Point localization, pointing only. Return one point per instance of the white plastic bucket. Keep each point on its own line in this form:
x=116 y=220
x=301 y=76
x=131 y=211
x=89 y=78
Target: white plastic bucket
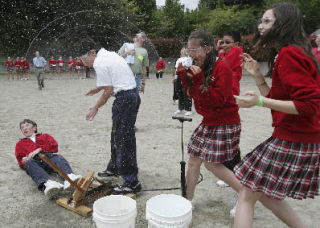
x=168 y=211
x=114 y=211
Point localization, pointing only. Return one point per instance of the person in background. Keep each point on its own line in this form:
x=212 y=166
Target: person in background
x=71 y=65
x=316 y=50
x=52 y=66
x=26 y=69
x=17 y=65
x=287 y=163
x=60 y=65
x=9 y=65
x=185 y=102
x=160 y=66
x=231 y=52
x=26 y=152
x=39 y=63
x=79 y=67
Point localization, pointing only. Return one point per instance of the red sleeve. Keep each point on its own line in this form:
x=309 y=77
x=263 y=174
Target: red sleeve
x=234 y=60
x=19 y=151
x=299 y=76
x=6 y=64
x=221 y=86
x=47 y=143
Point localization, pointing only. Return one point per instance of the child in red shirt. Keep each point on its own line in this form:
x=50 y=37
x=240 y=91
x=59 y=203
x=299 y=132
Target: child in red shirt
x=9 y=65
x=26 y=69
x=71 y=65
x=217 y=138
x=287 y=163
x=27 y=150
x=79 y=67
x=60 y=65
x=52 y=66
x=160 y=66
x=17 y=65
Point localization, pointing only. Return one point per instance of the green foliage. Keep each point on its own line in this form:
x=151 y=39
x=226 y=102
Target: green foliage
x=230 y=18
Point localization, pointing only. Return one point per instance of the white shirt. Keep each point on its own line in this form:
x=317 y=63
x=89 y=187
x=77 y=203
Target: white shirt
x=129 y=58
x=113 y=70
x=33 y=138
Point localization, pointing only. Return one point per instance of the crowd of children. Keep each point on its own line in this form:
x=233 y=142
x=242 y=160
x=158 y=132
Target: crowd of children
x=20 y=67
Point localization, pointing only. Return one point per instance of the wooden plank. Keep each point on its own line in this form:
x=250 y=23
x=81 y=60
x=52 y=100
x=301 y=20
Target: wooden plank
x=78 y=195
x=81 y=210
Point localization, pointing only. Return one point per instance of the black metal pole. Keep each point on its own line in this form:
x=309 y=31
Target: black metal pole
x=183 y=167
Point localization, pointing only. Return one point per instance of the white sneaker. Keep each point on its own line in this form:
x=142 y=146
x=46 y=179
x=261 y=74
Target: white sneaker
x=188 y=113
x=73 y=177
x=52 y=188
x=234 y=209
x=178 y=112
x=222 y=184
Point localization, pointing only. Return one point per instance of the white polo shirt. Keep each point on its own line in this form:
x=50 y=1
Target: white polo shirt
x=113 y=70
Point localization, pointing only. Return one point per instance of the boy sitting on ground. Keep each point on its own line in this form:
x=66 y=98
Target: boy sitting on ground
x=27 y=150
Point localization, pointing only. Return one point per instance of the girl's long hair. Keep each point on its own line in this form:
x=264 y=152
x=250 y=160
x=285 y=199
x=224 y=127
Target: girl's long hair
x=205 y=40
x=286 y=30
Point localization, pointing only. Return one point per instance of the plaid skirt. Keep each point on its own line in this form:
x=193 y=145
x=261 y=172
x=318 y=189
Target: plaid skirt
x=9 y=69
x=215 y=144
x=280 y=168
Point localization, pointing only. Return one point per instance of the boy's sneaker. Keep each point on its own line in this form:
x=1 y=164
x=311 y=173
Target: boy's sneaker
x=125 y=189
x=107 y=173
x=222 y=184
x=178 y=112
x=52 y=188
x=188 y=113
x=73 y=177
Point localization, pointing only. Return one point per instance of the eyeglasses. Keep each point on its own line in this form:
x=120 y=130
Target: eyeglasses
x=226 y=42
x=265 y=20
x=27 y=125
x=193 y=49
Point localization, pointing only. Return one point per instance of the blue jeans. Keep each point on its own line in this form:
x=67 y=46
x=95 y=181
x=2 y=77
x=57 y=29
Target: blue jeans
x=123 y=140
x=38 y=169
x=138 y=82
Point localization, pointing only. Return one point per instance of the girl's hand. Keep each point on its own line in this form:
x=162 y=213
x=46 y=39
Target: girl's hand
x=249 y=64
x=180 y=67
x=249 y=99
x=195 y=70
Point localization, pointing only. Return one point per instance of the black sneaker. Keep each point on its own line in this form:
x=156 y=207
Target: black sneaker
x=107 y=173
x=125 y=189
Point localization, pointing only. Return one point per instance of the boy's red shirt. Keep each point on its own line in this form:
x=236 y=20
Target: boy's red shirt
x=52 y=62
x=25 y=146
x=232 y=57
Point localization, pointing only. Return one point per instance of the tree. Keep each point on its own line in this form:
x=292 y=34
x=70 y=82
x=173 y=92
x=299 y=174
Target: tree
x=61 y=28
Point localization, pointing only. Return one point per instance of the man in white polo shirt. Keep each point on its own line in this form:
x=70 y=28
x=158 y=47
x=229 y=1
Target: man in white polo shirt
x=114 y=77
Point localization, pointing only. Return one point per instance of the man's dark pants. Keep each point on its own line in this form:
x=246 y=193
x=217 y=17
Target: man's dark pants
x=123 y=140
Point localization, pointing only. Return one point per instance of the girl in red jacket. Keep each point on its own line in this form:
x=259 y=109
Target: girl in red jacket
x=9 y=65
x=160 y=66
x=216 y=139
x=287 y=163
x=17 y=65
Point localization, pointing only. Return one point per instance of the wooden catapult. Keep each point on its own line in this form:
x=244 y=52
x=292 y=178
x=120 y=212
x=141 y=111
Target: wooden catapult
x=86 y=190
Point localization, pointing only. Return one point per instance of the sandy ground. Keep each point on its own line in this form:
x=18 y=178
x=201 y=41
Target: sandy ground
x=60 y=110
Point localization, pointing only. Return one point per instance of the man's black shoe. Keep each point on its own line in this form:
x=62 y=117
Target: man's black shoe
x=126 y=188
x=107 y=173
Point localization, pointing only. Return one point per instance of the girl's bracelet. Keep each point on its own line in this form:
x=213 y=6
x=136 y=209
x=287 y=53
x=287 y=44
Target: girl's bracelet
x=260 y=102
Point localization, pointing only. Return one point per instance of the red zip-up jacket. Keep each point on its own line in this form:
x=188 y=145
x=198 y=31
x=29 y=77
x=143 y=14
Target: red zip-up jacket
x=25 y=146
x=295 y=78
x=232 y=57
x=217 y=105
